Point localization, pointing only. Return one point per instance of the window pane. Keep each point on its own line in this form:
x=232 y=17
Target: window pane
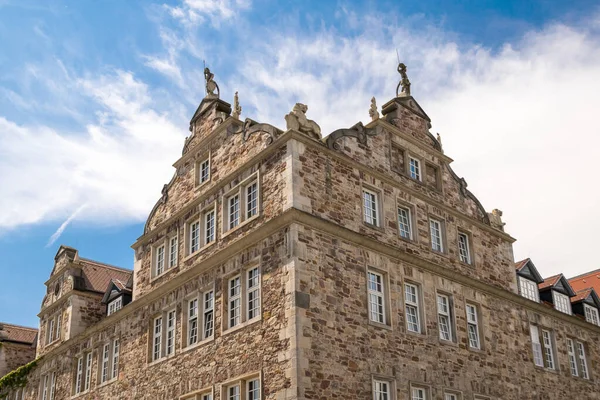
x=234 y=211
x=251 y=199
x=370 y=208
x=436 y=235
x=404 y=223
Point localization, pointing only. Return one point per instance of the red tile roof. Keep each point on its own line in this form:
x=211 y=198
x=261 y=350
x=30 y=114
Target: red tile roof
x=97 y=276
x=551 y=281
x=521 y=264
x=589 y=280
x=581 y=295
x=16 y=333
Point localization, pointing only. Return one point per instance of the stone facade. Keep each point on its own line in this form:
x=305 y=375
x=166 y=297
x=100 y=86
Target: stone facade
x=17 y=346
x=274 y=224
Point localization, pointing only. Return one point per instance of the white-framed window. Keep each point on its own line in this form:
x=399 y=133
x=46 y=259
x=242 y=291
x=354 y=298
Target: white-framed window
x=473 y=326
x=88 y=371
x=243 y=297
x=444 y=317
x=173 y=251
x=582 y=360
x=414 y=168
x=52 y=387
x=47 y=388
x=53 y=328
x=572 y=357
x=418 y=393
x=200 y=318
x=210 y=219
x=376 y=292
x=160 y=260
x=244 y=389
x=464 y=251
x=194 y=229
x=170 y=334
x=529 y=289
x=536 y=346
x=109 y=363
x=83 y=373
x=105 y=363
x=201 y=230
x=591 y=314
x=78 y=378
x=404 y=222
x=437 y=239
x=115 y=359
x=163 y=333
x=157 y=338
x=382 y=390
x=242 y=203
x=370 y=207
x=561 y=302
x=411 y=299
x=548 y=349
x=204 y=171
x=115 y=305
x=450 y=396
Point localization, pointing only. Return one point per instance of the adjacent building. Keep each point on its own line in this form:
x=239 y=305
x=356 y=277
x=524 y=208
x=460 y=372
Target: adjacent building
x=278 y=264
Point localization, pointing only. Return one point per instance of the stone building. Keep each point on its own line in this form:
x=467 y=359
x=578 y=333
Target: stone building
x=17 y=346
x=282 y=265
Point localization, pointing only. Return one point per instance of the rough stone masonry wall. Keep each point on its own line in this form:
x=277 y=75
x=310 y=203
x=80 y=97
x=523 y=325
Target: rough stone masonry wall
x=13 y=355
x=331 y=188
x=343 y=351
x=262 y=347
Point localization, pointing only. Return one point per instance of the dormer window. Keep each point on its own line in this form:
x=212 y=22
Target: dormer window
x=529 y=289
x=115 y=305
x=591 y=315
x=561 y=302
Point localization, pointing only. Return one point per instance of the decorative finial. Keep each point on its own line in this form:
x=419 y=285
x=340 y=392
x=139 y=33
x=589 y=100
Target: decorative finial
x=373 y=113
x=404 y=82
x=439 y=139
x=237 y=109
x=211 y=85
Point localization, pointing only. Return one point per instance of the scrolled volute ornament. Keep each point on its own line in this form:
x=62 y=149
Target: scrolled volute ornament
x=358 y=131
x=250 y=127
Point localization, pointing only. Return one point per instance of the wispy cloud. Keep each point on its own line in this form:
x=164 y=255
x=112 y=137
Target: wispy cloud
x=194 y=12
x=63 y=226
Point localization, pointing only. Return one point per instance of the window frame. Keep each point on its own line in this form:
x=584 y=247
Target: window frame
x=411 y=226
x=561 y=300
x=584 y=365
x=448 y=314
x=240 y=190
x=424 y=388
x=468 y=258
x=204 y=158
x=389 y=381
x=110 y=360
x=201 y=219
x=475 y=324
x=199 y=394
x=593 y=311
x=376 y=200
x=114 y=305
x=442 y=235
x=82 y=373
x=417 y=305
x=532 y=285
x=383 y=295
x=165 y=243
x=243 y=297
x=243 y=384
x=201 y=320
x=418 y=175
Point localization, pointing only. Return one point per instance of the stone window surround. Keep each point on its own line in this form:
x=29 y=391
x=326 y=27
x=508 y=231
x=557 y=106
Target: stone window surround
x=412 y=156
x=419 y=385
x=389 y=323
x=241 y=380
x=438 y=176
x=451 y=318
x=199 y=216
x=199 y=159
x=414 y=232
x=389 y=379
x=379 y=201
x=480 y=325
x=239 y=188
x=242 y=273
x=443 y=233
x=196 y=294
x=99 y=365
x=457 y=393
x=423 y=165
x=47 y=384
x=421 y=303
x=540 y=329
x=83 y=354
x=164 y=314
x=165 y=241
x=56 y=320
x=197 y=394
x=471 y=253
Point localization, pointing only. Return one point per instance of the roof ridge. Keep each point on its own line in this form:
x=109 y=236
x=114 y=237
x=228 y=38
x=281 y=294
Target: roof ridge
x=18 y=326
x=102 y=264
x=595 y=271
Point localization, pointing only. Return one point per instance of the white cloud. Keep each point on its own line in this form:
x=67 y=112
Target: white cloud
x=194 y=12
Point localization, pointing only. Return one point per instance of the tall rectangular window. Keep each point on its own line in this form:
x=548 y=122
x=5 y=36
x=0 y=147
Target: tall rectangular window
x=253 y=293
x=235 y=293
x=51 y=331
x=548 y=349
x=78 y=378
x=375 y=286
x=381 y=390
x=204 y=175
x=253 y=389
x=404 y=223
x=209 y=314
x=246 y=389
x=157 y=339
x=173 y=251
x=561 y=302
x=88 y=371
x=105 y=359
x=435 y=228
x=444 y=317
x=233 y=215
x=473 y=326
x=160 y=259
x=572 y=357
x=536 y=346
x=194 y=236
x=115 y=359
x=192 y=322
x=251 y=199
x=464 y=251
x=45 y=387
x=411 y=298
x=52 y=387
x=233 y=392
x=414 y=168
x=200 y=318
x=591 y=314
x=370 y=207
x=582 y=361
x=529 y=289
x=170 y=343
x=209 y=226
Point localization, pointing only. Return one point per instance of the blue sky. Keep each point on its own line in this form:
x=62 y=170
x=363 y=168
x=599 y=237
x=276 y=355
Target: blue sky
x=95 y=99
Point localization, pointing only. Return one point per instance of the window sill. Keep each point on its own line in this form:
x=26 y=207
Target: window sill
x=199 y=185
x=78 y=395
x=160 y=360
x=447 y=342
x=167 y=272
x=199 y=344
x=375 y=227
x=421 y=334
x=108 y=382
x=241 y=326
x=199 y=251
x=245 y=222
x=380 y=325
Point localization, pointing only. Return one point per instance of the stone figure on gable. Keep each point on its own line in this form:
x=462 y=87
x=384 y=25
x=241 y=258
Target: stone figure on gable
x=211 y=85
x=297 y=120
x=404 y=82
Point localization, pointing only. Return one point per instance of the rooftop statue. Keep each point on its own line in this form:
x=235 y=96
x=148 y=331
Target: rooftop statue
x=404 y=82
x=297 y=120
x=373 y=113
x=211 y=85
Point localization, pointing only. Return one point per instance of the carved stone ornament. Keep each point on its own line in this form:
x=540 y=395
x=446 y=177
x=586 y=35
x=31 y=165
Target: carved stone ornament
x=249 y=127
x=211 y=85
x=165 y=193
x=297 y=121
x=439 y=139
x=373 y=113
x=496 y=219
x=237 y=109
x=358 y=131
x=404 y=82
